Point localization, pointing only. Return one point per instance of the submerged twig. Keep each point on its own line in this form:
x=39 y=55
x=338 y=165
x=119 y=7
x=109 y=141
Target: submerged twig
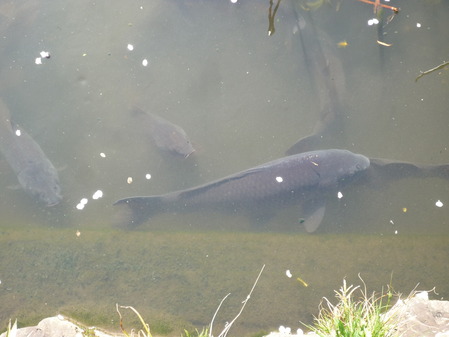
x=271 y=15
x=438 y=67
x=145 y=325
x=377 y=4
x=229 y=325
x=215 y=314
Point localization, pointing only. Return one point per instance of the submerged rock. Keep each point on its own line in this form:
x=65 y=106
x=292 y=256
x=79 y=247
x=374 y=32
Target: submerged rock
x=420 y=317
x=57 y=326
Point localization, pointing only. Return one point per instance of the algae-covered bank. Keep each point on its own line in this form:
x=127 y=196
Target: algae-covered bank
x=177 y=279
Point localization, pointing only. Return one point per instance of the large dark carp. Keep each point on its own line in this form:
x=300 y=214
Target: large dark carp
x=305 y=179
x=36 y=174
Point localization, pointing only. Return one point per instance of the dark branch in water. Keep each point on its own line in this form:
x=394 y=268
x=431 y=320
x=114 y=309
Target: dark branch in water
x=376 y=4
x=438 y=67
x=271 y=15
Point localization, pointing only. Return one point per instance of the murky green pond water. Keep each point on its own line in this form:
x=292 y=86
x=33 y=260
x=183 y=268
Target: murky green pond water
x=178 y=279
x=244 y=98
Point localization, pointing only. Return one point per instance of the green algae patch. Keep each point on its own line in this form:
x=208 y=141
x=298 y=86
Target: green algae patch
x=177 y=279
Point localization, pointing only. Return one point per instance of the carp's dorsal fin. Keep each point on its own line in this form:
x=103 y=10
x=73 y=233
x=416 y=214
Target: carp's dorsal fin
x=313 y=211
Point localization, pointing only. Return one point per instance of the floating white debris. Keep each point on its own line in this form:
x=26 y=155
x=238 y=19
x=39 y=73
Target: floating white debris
x=148 y=176
x=234 y=1
x=339 y=195
x=418 y=25
x=81 y=204
x=285 y=330
x=279 y=179
x=129 y=180
x=396 y=232
x=144 y=62
x=97 y=195
x=78 y=233
x=18 y=133
x=102 y=155
x=44 y=54
x=373 y=21
x=288 y=273
x=391 y=221
x=130 y=47
x=439 y=203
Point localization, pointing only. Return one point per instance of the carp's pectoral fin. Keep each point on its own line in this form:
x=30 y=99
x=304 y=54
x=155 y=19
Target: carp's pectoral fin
x=313 y=212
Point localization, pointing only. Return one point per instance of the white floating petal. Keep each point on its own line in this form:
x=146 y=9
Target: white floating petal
x=44 y=54
x=97 y=195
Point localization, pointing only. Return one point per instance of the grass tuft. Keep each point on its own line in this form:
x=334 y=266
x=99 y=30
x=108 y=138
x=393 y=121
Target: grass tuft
x=203 y=333
x=11 y=331
x=362 y=316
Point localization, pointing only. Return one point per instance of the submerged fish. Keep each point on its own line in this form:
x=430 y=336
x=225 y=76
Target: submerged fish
x=384 y=171
x=305 y=179
x=166 y=135
x=36 y=174
x=326 y=73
